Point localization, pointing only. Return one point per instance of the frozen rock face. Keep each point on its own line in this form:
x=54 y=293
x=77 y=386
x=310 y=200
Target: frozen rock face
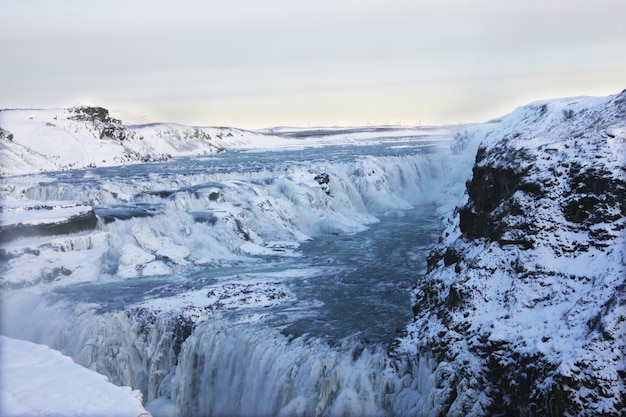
x=524 y=306
x=106 y=126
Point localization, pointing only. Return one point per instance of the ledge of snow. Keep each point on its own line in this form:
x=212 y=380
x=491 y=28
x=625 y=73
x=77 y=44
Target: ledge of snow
x=29 y=369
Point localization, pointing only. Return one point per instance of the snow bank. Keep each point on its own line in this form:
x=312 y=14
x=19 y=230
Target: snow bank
x=29 y=370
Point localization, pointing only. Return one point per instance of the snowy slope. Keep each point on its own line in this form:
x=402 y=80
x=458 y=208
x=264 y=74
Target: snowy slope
x=60 y=139
x=39 y=140
x=29 y=369
x=523 y=310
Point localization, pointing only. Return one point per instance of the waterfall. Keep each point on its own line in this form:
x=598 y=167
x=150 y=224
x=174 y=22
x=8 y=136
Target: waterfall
x=194 y=218
x=221 y=368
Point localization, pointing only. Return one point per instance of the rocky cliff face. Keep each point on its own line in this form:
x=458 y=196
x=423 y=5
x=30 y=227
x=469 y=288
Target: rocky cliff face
x=523 y=310
x=106 y=126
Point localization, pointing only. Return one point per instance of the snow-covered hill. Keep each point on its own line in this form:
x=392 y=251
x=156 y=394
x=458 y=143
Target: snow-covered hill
x=523 y=310
x=60 y=139
x=38 y=140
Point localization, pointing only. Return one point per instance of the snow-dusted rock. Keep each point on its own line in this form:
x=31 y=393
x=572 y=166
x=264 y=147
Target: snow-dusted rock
x=25 y=218
x=523 y=310
x=29 y=369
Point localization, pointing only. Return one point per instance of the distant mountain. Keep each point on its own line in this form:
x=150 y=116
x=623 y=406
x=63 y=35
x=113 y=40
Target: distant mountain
x=523 y=309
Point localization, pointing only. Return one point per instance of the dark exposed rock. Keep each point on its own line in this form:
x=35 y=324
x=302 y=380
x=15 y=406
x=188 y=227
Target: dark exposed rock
x=5 y=134
x=323 y=179
x=85 y=220
x=491 y=194
x=92 y=114
x=183 y=329
x=594 y=197
x=106 y=126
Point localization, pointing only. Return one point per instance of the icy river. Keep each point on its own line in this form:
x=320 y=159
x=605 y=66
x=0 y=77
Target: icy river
x=254 y=283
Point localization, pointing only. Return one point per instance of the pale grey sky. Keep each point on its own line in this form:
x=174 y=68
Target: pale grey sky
x=260 y=63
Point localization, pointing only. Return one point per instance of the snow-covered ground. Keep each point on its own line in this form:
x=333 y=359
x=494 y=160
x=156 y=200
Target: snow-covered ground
x=40 y=140
x=39 y=381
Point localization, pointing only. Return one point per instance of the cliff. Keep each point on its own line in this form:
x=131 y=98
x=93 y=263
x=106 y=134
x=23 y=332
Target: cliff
x=523 y=308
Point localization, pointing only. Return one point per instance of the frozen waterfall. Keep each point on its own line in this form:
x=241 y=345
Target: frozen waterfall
x=244 y=283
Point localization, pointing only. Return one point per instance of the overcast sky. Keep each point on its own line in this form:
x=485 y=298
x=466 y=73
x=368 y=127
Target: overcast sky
x=260 y=63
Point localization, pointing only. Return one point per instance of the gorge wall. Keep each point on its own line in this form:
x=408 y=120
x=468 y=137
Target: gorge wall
x=523 y=309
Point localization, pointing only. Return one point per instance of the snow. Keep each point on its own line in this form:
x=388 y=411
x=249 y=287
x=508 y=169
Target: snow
x=54 y=139
x=29 y=370
x=537 y=301
x=231 y=293
x=61 y=139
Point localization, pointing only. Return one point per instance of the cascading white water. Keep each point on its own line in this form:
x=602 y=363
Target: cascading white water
x=195 y=217
x=226 y=370
x=132 y=348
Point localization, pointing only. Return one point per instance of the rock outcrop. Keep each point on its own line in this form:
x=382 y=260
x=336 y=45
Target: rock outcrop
x=323 y=179
x=5 y=135
x=106 y=126
x=523 y=308
x=45 y=220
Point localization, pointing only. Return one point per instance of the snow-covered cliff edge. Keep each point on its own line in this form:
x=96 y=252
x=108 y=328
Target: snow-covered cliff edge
x=523 y=310
x=39 y=381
